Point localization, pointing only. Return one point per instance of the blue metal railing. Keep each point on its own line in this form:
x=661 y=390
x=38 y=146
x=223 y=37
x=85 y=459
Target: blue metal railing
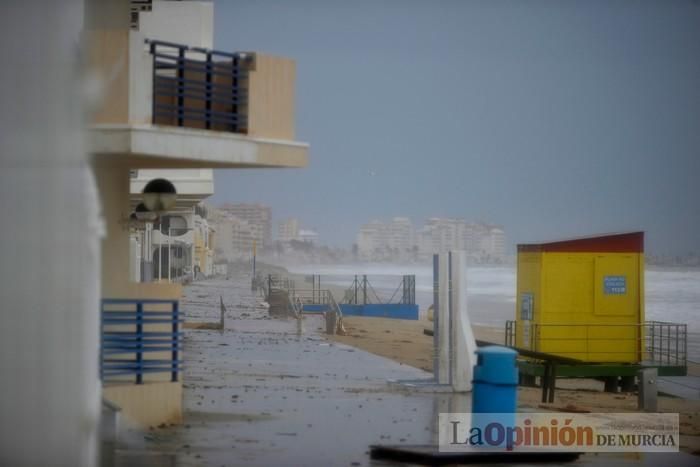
x=132 y=328
x=199 y=88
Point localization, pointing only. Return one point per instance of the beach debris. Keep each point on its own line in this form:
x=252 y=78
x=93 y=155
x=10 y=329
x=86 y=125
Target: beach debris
x=569 y=408
x=209 y=325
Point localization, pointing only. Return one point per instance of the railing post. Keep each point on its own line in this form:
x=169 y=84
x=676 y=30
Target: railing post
x=207 y=101
x=234 y=93
x=102 y=340
x=180 y=86
x=139 y=343
x=364 y=289
x=175 y=317
x=354 y=286
x=154 y=74
x=413 y=289
x=685 y=344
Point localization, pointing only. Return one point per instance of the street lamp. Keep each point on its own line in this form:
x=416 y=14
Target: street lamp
x=159 y=195
x=143 y=214
x=170 y=234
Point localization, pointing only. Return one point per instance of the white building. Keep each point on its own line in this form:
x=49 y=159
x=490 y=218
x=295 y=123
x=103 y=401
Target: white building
x=386 y=241
x=398 y=240
x=178 y=245
x=308 y=236
x=236 y=238
x=288 y=230
x=258 y=215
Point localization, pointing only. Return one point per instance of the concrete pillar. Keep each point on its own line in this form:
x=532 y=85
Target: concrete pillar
x=113 y=184
x=463 y=342
x=453 y=336
x=442 y=313
x=648 y=389
x=50 y=267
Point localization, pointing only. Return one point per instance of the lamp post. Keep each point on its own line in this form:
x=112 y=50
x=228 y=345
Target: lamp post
x=170 y=229
x=159 y=195
x=143 y=214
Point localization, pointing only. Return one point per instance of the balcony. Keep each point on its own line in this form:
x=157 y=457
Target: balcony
x=198 y=88
x=168 y=105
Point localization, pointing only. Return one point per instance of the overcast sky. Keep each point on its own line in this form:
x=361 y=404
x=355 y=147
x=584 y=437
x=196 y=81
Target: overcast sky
x=552 y=118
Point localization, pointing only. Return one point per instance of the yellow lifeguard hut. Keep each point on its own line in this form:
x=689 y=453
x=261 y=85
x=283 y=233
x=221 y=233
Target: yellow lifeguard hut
x=583 y=298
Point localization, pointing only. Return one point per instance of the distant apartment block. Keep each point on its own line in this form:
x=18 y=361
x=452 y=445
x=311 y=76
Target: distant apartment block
x=237 y=238
x=291 y=229
x=288 y=230
x=398 y=240
x=384 y=241
x=257 y=216
x=308 y=236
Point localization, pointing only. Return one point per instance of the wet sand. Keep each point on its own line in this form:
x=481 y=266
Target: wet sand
x=404 y=341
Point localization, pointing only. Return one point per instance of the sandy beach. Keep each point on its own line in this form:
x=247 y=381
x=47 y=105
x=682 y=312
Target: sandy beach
x=404 y=342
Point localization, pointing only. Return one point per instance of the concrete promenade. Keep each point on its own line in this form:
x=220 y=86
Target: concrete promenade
x=259 y=394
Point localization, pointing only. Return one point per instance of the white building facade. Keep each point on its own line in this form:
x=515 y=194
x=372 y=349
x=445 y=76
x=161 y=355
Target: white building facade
x=398 y=240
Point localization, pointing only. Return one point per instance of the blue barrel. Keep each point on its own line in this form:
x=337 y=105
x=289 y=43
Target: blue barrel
x=495 y=380
x=495 y=392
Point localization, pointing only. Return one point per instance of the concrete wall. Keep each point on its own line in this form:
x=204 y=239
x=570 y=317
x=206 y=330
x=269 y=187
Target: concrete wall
x=121 y=69
x=190 y=23
x=148 y=404
x=108 y=71
x=271 y=97
x=49 y=273
x=114 y=188
x=198 y=182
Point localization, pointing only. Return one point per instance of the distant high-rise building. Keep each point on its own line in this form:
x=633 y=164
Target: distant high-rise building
x=383 y=241
x=236 y=237
x=308 y=236
x=256 y=215
x=498 y=243
x=371 y=240
x=398 y=240
x=288 y=230
x=401 y=234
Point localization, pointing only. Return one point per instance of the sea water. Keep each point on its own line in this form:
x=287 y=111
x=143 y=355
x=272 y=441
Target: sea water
x=671 y=295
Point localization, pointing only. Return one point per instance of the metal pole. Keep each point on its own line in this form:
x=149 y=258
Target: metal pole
x=180 y=86
x=160 y=259
x=254 y=252
x=450 y=316
x=169 y=254
x=207 y=101
x=354 y=286
x=677 y=339
x=174 y=355
x=436 y=318
x=139 y=343
x=364 y=289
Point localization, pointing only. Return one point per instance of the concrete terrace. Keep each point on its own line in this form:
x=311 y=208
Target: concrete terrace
x=257 y=393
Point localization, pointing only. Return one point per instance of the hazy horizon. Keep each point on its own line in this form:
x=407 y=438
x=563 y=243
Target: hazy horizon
x=552 y=118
